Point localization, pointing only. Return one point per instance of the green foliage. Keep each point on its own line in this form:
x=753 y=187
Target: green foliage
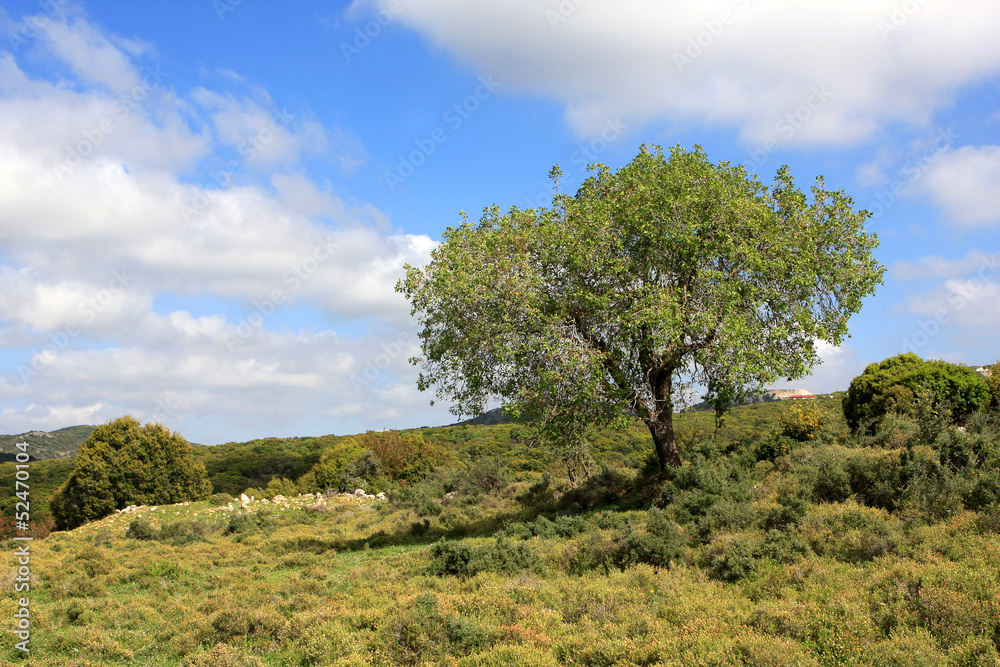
x=803 y=421
x=375 y=460
x=241 y=522
x=896 y=383
x=219 y=499
x=458 y=559
x=280 y=486
x=123 y=463
x=992 y=379
x=424 y=631
x=592 y=310
x=332 y=462
x=562 y=526
x=141 y=529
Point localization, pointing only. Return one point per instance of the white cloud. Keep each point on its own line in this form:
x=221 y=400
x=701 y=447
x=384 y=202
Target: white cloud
x=80 y=272
x=802 y=73
x=974 y=262
x=838 y=366
x=964 y=302
x=91 y=55
x=964 y=182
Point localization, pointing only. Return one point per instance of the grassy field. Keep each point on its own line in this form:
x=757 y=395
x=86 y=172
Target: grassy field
x=765 y=549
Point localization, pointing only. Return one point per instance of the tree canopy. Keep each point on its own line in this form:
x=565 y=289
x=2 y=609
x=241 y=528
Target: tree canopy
x=122 y=464
x=894 y=385
x=669 y=272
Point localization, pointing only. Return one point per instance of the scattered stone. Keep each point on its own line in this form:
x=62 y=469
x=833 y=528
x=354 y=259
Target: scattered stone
x=244 y=498
x=381 y=495
x=278 y=498
x=359 y=493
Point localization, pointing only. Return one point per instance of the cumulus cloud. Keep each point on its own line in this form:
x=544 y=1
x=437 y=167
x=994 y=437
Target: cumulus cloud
x=971 y=302
x=976 y=262
x=781 y=70
x=838 y=366
x=964 y=183
x=80 y=273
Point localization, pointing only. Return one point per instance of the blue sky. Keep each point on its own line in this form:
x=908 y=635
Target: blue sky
x=204 y=206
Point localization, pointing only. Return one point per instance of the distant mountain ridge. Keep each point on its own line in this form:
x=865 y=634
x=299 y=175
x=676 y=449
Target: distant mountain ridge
x=60 y=444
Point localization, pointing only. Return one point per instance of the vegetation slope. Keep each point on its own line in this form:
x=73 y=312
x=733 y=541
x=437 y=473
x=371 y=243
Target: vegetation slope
x=784 y=540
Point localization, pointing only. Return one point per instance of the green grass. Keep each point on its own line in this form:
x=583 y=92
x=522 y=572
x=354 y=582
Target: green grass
x=759 y=551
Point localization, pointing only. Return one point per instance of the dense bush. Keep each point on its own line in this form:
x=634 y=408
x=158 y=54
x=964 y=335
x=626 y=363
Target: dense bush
x=895 y=384
x=122 y=464
x=459 y=559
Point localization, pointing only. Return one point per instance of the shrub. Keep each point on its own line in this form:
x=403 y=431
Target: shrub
x=563 y=526
x=122 y=464
x=773 y=446
x=220 y=499
x=423 y=632
x=488 y=474
x=539 y=493
x=894 y=384
x=993 y=384
x=224 y=655
x=280 y=486
x=245 y=522
x=803 y=421
x=458 y=559
x=731 y=558
x=141 y=529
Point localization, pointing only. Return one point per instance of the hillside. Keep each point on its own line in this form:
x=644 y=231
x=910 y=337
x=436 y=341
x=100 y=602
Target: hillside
x=782 y=541
x=59 y=444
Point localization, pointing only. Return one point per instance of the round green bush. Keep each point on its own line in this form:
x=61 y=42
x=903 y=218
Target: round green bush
x=896 y=383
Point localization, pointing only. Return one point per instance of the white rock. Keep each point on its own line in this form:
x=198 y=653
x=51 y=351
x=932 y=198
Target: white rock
x=279 y=498
x=244 y=498
x=359 y=493
x=381 y=495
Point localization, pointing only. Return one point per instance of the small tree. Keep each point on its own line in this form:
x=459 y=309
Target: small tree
x=895 y=384
x=122 y=464
x=665 y=273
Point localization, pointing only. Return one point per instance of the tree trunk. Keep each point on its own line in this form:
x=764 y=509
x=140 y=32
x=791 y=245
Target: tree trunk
x=664 y=443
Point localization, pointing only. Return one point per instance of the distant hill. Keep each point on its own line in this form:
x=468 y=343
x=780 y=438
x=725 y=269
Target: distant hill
x=488 y=418
x=766 y=397
x=61 y=444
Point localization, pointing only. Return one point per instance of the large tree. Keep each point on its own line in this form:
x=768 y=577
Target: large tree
x=669 y=272
x=122 y=464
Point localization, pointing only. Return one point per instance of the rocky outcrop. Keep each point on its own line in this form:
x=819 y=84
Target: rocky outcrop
x=783 y=394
